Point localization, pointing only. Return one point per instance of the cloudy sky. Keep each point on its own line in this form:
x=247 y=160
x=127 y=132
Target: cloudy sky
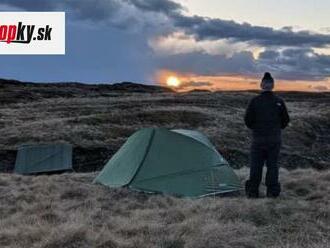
x=211 y=44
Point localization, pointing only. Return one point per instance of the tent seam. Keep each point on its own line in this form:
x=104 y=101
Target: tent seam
x=144 y=157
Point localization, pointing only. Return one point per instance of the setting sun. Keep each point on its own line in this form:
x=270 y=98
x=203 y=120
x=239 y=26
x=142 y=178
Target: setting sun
x=173 y=81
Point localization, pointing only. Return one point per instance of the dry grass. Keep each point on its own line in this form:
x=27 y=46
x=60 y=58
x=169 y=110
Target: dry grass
x=68 y=211
x=100 y=125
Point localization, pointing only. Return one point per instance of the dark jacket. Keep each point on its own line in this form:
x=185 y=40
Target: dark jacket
x=266 y=115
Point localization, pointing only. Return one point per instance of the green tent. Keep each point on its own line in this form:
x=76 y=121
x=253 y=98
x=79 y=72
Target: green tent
x=43 y=158
x=177 y=162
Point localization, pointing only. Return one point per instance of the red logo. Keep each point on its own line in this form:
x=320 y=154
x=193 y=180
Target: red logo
x=21 y=33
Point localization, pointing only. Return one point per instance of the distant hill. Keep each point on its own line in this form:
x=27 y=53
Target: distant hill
x=12 y=90
x=97 y=118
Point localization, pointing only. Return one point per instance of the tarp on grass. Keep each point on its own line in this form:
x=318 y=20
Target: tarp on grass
x=43 y=158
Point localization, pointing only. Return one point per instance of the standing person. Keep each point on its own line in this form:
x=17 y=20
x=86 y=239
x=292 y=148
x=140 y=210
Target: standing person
x=266 y=115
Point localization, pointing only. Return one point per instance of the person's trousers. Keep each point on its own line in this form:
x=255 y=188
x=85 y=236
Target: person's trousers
x=264 y=153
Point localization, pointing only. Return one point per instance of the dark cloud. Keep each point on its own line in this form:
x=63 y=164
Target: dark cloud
x=296 y=64
x=288 y=64
x=160 y=6
x=299 y=62
x=214 y=29
x=32 y=5
x=94 y=5
x=109 y=11
x=94 y=10
x=114 y=57
x=201 y=28
x=269 y=55
x=207 y=64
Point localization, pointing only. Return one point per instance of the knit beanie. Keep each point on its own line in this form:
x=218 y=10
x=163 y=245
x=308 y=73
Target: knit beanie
x=267 y=82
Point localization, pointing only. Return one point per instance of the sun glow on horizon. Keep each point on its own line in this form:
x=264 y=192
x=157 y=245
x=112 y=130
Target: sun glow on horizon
x=182 y=82
x=173 y=81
